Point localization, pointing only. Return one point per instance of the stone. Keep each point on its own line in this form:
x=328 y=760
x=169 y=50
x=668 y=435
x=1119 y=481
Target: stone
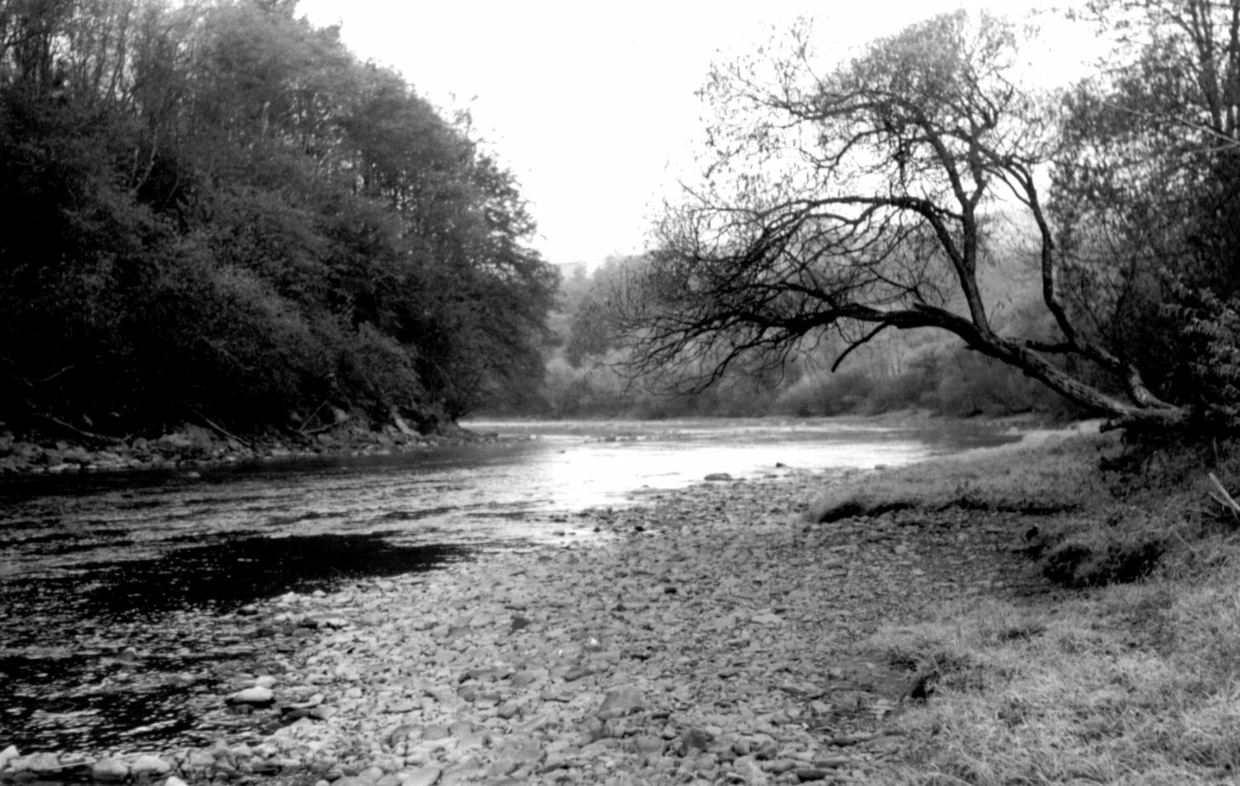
x=718 y=476
x=747 y=769
x=694 y=739
x=148 y=766
x=7 y=755
x=830 y=762
x=577 y=672
x=109 y=770
x=621 y=701
x=526 y=753
x=255 y=697
x=423 y=776
x=460 y=773
x=399 y=734
x=175 y=781
x=37 y=763
x=647 y=744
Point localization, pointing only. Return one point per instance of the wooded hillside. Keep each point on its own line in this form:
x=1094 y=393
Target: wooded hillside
x=215 y=212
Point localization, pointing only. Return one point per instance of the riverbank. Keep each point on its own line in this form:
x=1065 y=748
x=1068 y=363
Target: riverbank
x=740 y=632
x=190 y=448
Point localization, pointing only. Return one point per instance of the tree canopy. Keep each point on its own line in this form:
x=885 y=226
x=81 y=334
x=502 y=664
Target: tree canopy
x=874 y=195
x=216 y=210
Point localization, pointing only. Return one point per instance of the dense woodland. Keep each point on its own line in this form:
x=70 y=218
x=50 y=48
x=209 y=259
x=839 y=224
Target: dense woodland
x=215 y=213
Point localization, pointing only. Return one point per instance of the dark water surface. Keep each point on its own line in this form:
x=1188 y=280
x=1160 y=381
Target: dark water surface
x=118 y=593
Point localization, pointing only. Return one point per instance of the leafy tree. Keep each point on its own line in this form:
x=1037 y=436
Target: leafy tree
x=1147 y=186
x=866 y=198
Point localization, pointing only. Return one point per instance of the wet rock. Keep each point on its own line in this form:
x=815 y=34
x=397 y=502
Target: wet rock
x=718 y=476
x=255 y=697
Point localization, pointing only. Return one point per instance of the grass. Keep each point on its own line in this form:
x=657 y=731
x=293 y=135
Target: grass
x=1131 y=678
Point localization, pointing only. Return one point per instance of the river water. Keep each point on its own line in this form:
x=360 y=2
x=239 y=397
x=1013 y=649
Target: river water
x=97 y=571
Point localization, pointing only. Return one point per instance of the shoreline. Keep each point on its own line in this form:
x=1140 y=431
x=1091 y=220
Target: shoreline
x=191 y=448
x=716 y=634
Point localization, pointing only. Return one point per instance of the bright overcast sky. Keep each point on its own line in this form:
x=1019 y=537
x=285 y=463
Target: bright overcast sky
x=588 y=103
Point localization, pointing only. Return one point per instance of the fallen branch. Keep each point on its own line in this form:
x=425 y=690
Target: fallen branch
x=306 y=433
x=217 y=428
x=1223 y=498
x=91 y=435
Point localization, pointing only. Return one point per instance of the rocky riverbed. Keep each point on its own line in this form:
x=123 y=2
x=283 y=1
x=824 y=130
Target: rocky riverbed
x=715 y=635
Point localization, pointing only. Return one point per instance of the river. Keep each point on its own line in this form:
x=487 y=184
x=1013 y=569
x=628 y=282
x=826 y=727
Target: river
x=99 y=573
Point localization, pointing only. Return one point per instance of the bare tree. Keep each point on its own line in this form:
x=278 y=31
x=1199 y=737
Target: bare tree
x=863 y=199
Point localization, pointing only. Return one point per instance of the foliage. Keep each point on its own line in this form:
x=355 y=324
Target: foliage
x=1145 y=193
x=216 y=211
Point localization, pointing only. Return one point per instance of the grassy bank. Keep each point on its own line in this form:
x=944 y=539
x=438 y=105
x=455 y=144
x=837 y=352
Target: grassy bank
x=1126 y=672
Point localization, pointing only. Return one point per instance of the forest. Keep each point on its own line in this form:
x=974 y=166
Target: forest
x=214 y=213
